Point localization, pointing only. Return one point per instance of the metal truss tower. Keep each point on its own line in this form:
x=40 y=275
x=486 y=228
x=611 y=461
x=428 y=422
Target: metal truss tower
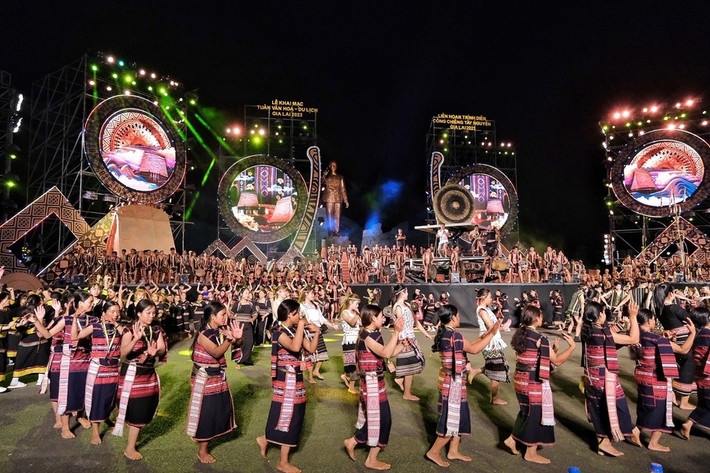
x=465 y=140
x=60 y=105
x=630 y=232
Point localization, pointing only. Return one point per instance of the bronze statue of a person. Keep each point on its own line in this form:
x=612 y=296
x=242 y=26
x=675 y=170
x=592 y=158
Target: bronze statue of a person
x=334 y=195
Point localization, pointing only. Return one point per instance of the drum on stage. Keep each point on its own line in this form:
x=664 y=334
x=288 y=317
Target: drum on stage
x=432 y=270
x=200 y=273
x=500 y=264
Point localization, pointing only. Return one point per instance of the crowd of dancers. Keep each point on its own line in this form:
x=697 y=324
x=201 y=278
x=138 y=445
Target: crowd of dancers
x=95 y=352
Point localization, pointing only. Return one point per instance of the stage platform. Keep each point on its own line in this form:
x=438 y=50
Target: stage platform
x=463 y=295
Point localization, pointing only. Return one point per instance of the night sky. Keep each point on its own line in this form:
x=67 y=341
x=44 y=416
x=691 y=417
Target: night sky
x=546 y=72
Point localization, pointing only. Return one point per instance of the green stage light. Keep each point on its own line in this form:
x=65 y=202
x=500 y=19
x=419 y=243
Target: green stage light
x=13 y=156
x=150 y=87
x=114 y=75
x=193 y=102
x=128 y=78
x=256 y=140
x=94 y=67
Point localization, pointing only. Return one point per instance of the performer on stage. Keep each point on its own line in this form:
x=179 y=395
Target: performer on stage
x=288 y=404
x=534 y=426
x=655 y=368
x=442 y=237
x=334 y=195
x=701 y=355
x=211 y=411
x=605 y=400
x=138 y=385
x=400 y=239
x=374 y=419
x=454 y=414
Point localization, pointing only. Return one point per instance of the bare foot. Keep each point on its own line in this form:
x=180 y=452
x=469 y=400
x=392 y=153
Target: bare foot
x=499 y=402
x=535 y=458
x=345 y=380
x=84 y=422
x=95 y=440
x=132 y=455
x=57 y=425
x=263 y=444
x=606 y=448
x=287 y=468
x=312 y=381
x=67 y=434
x=458 y=456
x=410 y=397
x=206 y=458
x=685 y=430
x=400 y=383
x=318 y=375
x=350 y=447
x=436 y=458
x=510 y=443
x=635 y=437
x=377 y=465
x=658 y=447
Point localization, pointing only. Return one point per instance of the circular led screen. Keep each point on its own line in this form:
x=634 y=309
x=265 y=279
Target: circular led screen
x=664 y=170
x=131 y=150
x=263 y=198
x=495 y=200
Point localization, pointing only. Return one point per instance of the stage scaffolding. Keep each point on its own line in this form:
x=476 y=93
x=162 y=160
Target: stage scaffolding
x=465 y=140
x=286 y=133
x=60 y=105
x=631 y=232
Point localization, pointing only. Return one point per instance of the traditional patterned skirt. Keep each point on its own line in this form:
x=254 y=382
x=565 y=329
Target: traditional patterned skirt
x=322 y=353
x=454 y=414
x=211 y=407
x=701 y=414
x=598 y=406
x=495 y=367
x=288 y=408
x=68 y=390
x=143 y=396
x=528 y=428
x=374 y=418
x=101 y=388
x=410 y=361
x=653 y=407
x=349 y=364
x=32 y=356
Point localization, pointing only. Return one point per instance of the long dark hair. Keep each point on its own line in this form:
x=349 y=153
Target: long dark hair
x=592 y=313
x=444 y=313
x=212 y=308
x=528 y=316
x=367 y=315
x=660 y=292
x=287 y=307
x=700 y=317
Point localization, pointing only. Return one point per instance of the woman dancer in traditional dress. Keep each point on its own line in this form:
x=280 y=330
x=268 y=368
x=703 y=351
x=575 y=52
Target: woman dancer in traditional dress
x=454 y=414
x=410 y=360
x=673 y=317
x=138 y=385
x=605 y=400
x=701 y=356
x=655 y=368
x=288 y=404
x=495 y=368
x=534 y=426
x=350 y=323
x=33 y=350
x=314 y=316
x=245 y=313
x=211 y=411
x=70 y=361
x=102 y=378
x=374 y=416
